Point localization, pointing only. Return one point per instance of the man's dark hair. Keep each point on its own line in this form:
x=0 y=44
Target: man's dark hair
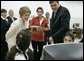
x=53 y=1
x=3 y=10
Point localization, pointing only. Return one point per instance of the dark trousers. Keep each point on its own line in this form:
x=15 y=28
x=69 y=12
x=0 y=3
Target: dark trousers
x=37 y=46
x=47 y=35
x=46 y=40
x=3 y=51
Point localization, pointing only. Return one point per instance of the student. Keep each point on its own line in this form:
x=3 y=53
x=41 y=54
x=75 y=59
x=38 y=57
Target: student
x=69 y=38
x=39 y=25
x=4 y=29
x=21 y=50
x=17 y=25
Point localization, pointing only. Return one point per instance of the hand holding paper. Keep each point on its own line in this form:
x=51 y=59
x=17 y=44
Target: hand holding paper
x=36 y=28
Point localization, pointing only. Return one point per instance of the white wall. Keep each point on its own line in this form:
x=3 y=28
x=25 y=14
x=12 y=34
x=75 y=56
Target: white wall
x=75 y=8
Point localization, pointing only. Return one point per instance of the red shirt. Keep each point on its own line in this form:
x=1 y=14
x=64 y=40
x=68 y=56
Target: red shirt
x=38 y=35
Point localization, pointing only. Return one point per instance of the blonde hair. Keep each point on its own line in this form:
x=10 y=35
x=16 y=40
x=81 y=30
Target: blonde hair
x=24 y=10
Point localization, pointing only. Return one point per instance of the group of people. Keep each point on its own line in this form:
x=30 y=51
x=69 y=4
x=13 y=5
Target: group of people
x=5 y=25
x=16 y=38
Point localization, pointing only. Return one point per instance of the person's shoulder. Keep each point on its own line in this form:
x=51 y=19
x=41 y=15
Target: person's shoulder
x=64 y=9
x=1 y=20
x=44 y=18
x=8 y=16
x=30 y=54
x=12 y=50
x=35 y=18
x=10 y=55
x=29 y=50
x=16 y=22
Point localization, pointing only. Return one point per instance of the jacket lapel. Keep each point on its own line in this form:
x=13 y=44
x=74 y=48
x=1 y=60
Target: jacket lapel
x=55 y=19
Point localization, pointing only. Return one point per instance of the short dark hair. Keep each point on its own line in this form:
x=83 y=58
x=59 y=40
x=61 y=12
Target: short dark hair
x=39 y=8
x=53 y=1
x=3 y=10
x=70 y=34
x=23 y=39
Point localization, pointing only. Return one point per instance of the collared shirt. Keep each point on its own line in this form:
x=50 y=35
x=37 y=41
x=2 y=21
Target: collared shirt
x=12 y=18
x=4 y=18
x=41 y=21
x=21 y=56
x=38 y=34
x=54 y=12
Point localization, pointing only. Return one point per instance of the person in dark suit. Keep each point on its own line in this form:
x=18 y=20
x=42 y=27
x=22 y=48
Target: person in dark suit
x=10 y=17
x=59 y=23
x=4 y=29
x=21 y=50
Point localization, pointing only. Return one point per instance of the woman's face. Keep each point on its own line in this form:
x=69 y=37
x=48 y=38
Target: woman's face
x=25 y=16
x=40 y=13
x=68 y=39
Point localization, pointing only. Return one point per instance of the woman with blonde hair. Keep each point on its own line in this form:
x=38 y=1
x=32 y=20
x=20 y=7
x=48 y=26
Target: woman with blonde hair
x=17 y=26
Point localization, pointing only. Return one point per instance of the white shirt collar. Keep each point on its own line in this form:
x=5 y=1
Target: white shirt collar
x=21 y=50
x=11 y=18
x=21 y=56
x=24 y=24
x=3 y=17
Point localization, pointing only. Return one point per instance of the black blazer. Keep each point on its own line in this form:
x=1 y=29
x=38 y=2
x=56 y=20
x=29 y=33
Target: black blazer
x=3 y=43
x=10 y=19
x=60 y=24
